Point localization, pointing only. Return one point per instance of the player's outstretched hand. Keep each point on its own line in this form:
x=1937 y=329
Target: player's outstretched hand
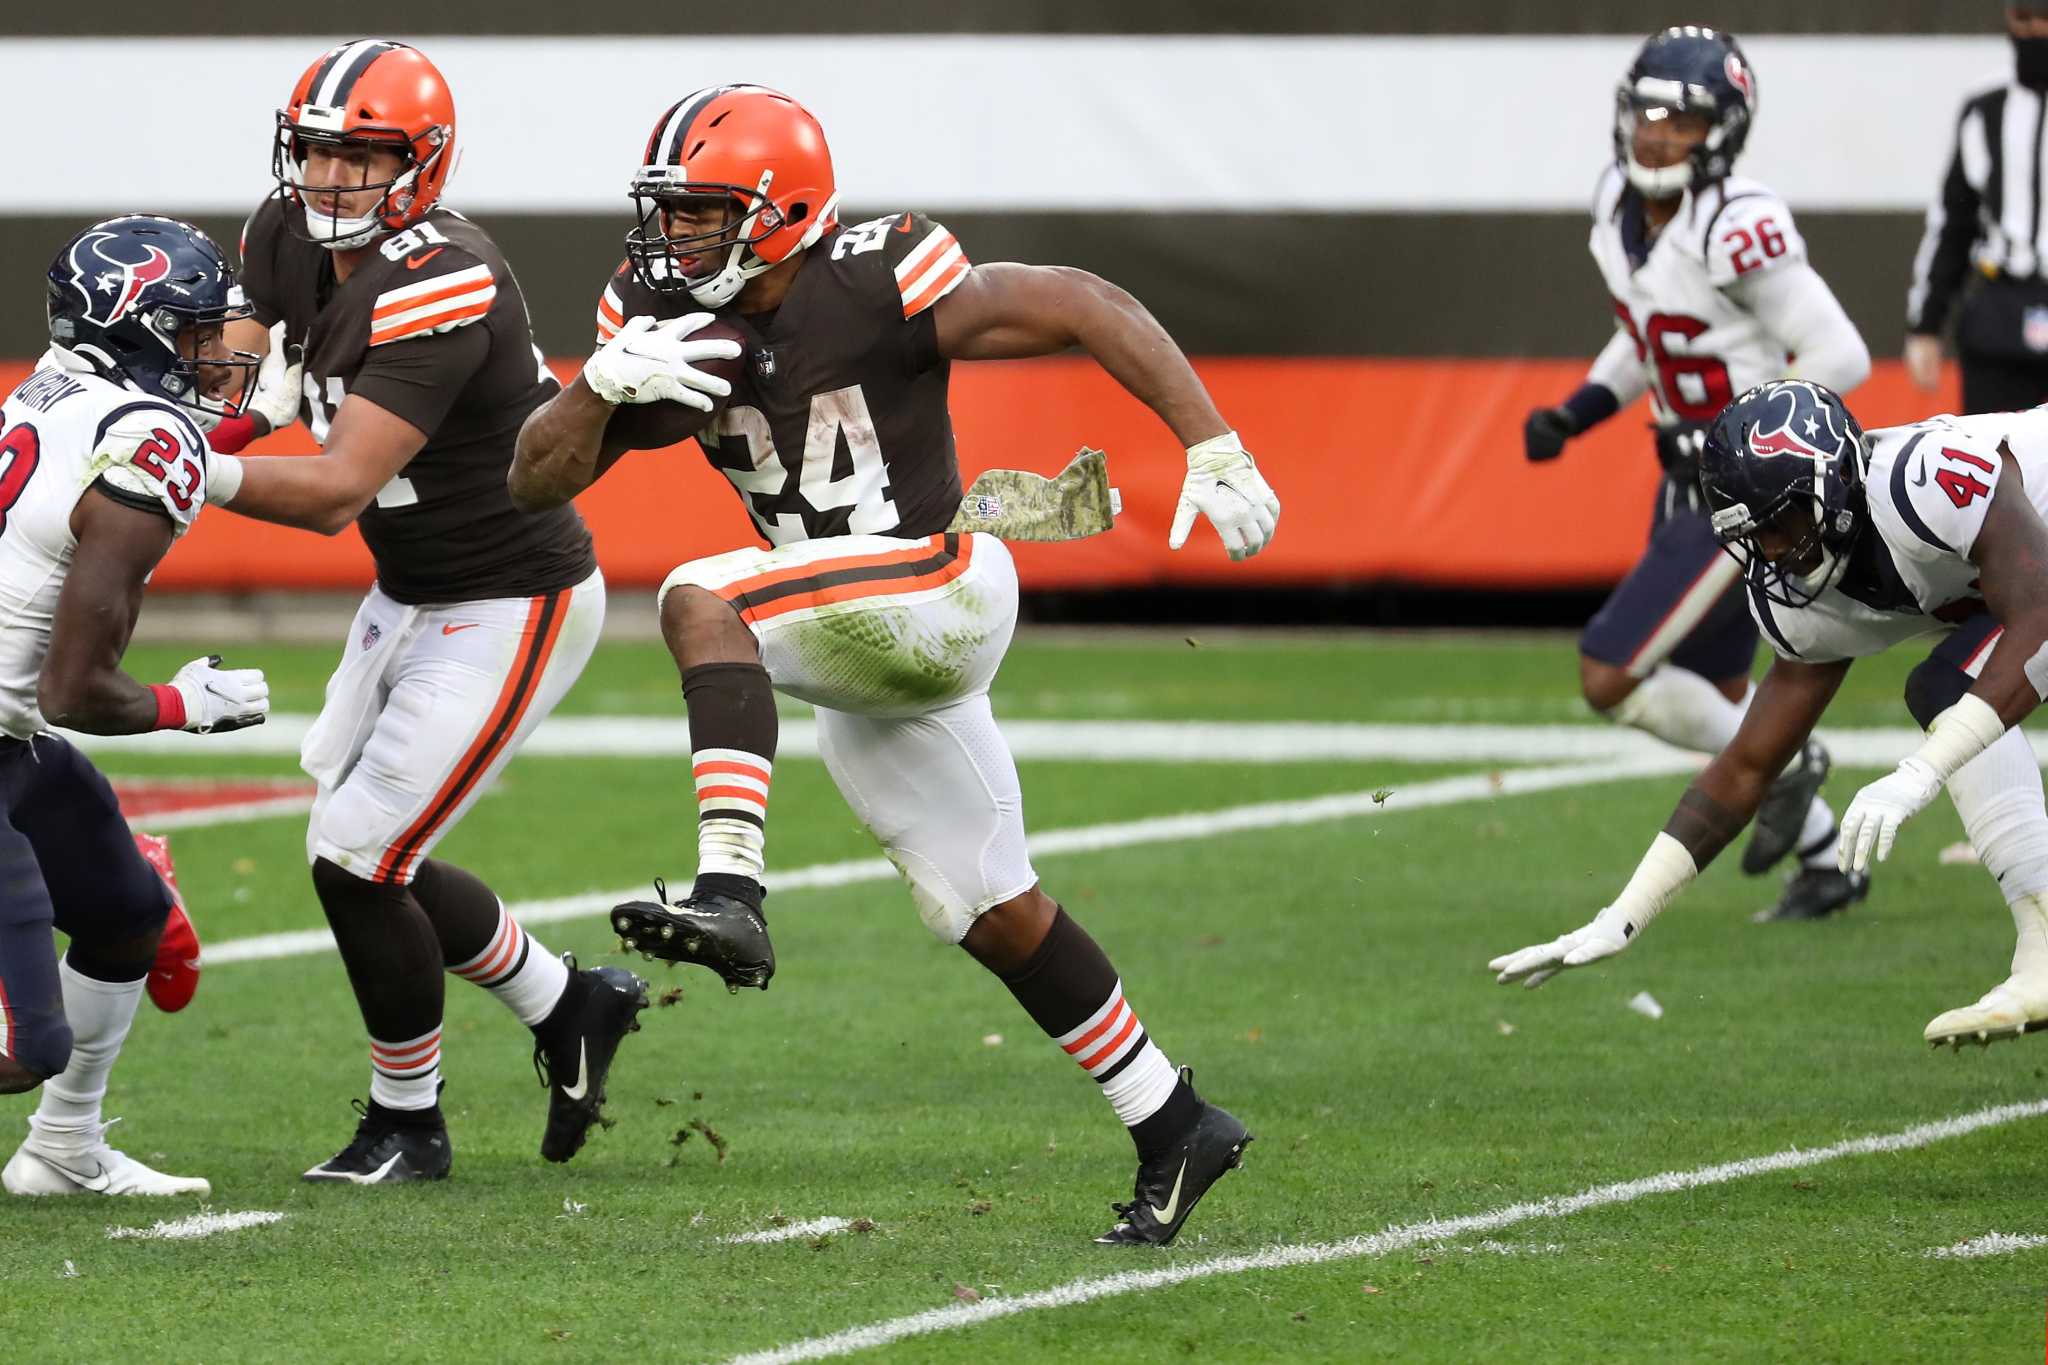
x=1871 y=824
x=220 y=699
x=1226 y=487
x=1534 y=965
x=280 y=383
x=1545 y=432
x=655 y=362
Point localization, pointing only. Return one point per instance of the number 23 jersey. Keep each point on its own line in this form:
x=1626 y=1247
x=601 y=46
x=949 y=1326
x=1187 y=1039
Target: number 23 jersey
x=838 y=424
x=1698 y=345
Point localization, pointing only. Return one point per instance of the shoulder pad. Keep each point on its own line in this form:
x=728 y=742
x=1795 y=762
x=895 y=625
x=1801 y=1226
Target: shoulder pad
x=434 y=288
x=1941 y=484
x=1749 y=231
x=923 y=257
x=152 y=450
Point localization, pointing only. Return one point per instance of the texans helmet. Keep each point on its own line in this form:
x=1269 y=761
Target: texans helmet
x=125 y=297
x=1691 y=70
x=1787 y=460
x=754 y=148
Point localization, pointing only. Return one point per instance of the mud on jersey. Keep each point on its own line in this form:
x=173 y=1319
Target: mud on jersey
x=1928 y=489
x=1698 y=347
x=431 y=327
x=839 y=424
x=65 y=430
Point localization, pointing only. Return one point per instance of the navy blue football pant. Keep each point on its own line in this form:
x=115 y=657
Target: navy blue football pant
x=1682 y=602
x=69 y=862
x=1951 y=668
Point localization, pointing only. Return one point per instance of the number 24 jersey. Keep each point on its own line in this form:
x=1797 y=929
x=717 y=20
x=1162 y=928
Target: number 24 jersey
x=838 y=425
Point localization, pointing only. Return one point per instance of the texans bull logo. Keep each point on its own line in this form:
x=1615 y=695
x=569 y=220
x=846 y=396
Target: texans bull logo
x=110 y=284
x=1739 y=77
x=1798 y=433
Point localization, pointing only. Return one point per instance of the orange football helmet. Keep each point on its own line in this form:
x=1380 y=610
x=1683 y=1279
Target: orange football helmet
x=746 y=145
x=376 y=93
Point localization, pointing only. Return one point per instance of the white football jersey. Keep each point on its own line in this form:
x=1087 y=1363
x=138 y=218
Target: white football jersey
x=1929 y=487
x=1699 y=347
x=60 y=431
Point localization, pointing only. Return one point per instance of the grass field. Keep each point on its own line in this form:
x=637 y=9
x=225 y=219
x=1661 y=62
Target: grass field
x=1324 y=976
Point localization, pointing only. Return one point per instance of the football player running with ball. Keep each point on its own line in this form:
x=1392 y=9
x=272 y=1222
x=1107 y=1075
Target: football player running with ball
x=1712 y=295
x=102 y=467
x=1850 y=544
x=838 y=440
x=417 y=368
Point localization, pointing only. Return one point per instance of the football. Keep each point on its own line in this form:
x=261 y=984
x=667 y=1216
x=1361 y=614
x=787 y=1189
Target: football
x=651 y=426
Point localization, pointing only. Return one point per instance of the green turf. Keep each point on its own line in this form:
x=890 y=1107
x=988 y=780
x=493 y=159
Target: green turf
x=1327 y=981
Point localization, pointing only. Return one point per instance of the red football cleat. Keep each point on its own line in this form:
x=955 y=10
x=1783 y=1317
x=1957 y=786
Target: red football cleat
x=175 y=976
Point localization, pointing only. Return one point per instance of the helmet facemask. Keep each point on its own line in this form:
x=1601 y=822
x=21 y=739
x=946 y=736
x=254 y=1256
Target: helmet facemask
x=395 y=195
x=1816 y=541
x=1651 y=100
x=725 y=256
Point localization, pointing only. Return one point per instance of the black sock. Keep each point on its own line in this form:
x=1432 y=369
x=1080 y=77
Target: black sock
x=463 y=911
x=394 y=964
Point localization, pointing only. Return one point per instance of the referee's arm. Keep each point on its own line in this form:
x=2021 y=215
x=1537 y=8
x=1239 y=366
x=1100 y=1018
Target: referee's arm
x=1939 y=265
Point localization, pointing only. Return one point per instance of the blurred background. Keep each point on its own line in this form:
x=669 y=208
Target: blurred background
x=1366 y=222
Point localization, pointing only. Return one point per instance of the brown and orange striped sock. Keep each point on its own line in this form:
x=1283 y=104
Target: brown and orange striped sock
x=732 y=741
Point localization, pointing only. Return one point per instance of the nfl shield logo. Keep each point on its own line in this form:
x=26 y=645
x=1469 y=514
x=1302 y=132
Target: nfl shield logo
x=372 y=635
x=764 y=363
x=2034 y=328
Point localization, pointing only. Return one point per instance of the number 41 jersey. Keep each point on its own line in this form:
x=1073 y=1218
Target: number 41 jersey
x=1699 y=346
x=838 y=425
x=63 y=431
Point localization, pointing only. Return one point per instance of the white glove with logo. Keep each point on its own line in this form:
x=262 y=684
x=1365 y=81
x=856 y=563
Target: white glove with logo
x=654 y=362
x=1226 y=487
x=280 y=383
x=1534 y=965
x=1872 y=821
x=220 y=699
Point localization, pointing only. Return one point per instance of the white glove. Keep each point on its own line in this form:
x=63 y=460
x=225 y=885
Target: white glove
x=280 y=382
x=652 y=362
x=221 y=699
x=1226 y=487
x=1534 y=965
x=1873 y=818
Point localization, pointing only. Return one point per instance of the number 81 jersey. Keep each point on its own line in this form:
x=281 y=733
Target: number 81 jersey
x=1698 y=345
x=838 y=424
x=62 y=431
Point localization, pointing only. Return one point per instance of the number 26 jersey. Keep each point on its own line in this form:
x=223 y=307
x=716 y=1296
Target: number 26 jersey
x=838 y=424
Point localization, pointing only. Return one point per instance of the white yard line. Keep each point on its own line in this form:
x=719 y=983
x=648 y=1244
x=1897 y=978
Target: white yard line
x=815 y=1227
x=197 y=1225
x=953 y=1317
x=1990 y=1244
x=1084 y=839
x=1084 y=741
x=241 y=812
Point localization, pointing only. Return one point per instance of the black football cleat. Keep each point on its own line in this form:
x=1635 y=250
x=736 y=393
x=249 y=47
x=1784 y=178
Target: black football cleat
x=574 y=1046
x=721 y=932
x=1172 y=1183
x=1816 y=893
x=1782 y=815
x=391 y=1146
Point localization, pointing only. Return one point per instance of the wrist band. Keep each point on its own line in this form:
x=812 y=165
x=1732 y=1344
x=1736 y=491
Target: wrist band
x=1662 y=874
x=223 y=478
x=232 y=433
x=1959 y=734
x=170 y=706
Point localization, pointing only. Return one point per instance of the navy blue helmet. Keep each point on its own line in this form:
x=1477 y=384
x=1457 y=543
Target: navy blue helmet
x=1690 y=70
x=1787 y=460
x=128 y=296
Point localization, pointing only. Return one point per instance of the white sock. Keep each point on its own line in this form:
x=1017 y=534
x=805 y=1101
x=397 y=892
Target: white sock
x=406 y=1075
x=1998 y=795
x=100 y=1013
x=1680 y=707
x=517 y=969
x=1817 y=836
x=732 y=810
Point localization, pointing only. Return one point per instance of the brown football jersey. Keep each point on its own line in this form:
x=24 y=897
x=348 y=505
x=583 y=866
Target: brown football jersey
x=839 y=424
x=431 y=327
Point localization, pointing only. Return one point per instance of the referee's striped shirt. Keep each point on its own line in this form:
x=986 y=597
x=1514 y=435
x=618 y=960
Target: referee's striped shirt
x=1988 y=213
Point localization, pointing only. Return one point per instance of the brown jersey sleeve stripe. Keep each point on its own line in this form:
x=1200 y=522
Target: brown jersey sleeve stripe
x=544 y=619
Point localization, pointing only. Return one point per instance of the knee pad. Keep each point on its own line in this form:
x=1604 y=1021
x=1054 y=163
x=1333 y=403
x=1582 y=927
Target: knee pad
x=41 y=1041
x=1932 y=687
x=346 y=822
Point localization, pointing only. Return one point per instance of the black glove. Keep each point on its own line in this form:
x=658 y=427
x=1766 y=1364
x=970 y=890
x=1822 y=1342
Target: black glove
x=1546 y=431
x=1678 y=450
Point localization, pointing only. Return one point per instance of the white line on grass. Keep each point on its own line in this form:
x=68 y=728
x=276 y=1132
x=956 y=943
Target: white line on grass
x=1084 y=839
x=159 y=822
x=959 y=1315
x=1990 y=1244
x=204 y=1224
x=1082 y=741
x=816 y=1227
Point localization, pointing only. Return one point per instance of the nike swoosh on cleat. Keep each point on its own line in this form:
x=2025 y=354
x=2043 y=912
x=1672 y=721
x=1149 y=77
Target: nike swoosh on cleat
x=1165 y=1215
x=377 y=1175
x=575 y=1092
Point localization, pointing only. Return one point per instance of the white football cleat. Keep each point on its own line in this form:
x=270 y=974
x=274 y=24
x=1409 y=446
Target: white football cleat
x=2013 y=1007
x=42 y=1166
